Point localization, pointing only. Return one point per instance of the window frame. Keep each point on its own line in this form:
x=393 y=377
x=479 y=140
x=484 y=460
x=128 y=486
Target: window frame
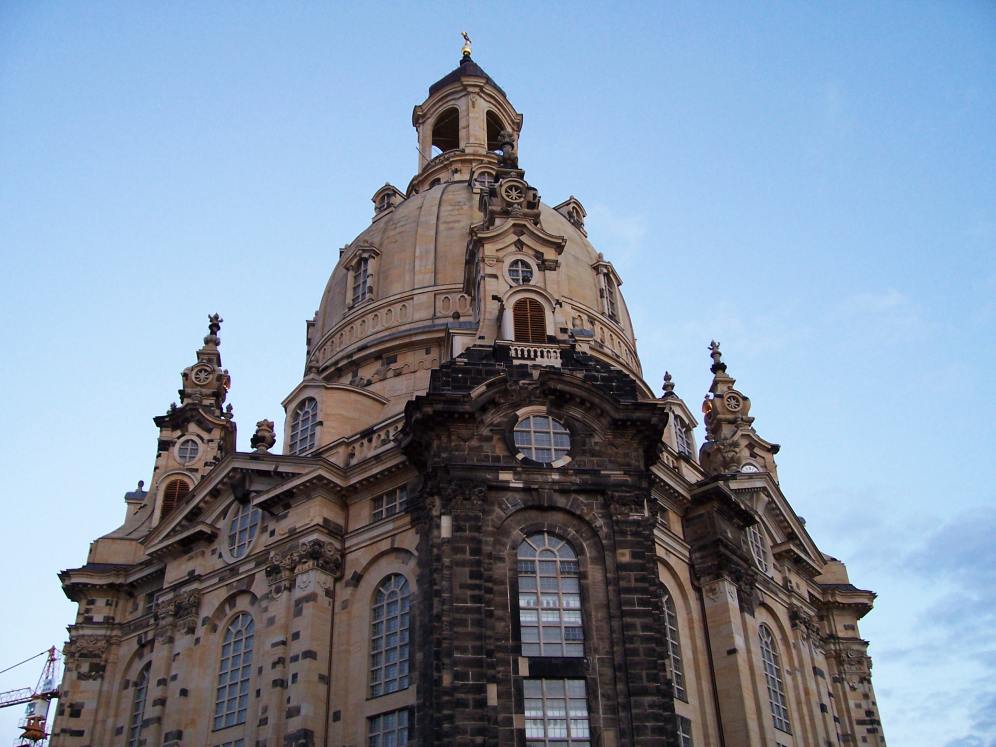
x=298 y=444
x=530 y=457
x=375 y=739
x=388 y=504
x=672 y=638
x=378 y=661
x=516 y=268
x=137 y=703
x=758 y=547
x=252 y=518
x=547 y=714
x=240 y=628
x=187 y=441
x=552 y=544
x=771 y=668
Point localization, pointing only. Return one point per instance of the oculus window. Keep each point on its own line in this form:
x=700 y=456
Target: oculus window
x=542 y=439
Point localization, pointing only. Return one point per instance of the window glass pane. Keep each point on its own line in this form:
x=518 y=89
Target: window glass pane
x=673 y=642
x=242 y=528
x=542 y=438
x=231 y=695
x=304 y=427
x=389 y=652
x=556 y=713
x=777 y=701
x=549 y=585
x=389 y=729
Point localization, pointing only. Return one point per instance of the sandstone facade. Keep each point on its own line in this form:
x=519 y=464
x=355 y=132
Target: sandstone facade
x=484 y=528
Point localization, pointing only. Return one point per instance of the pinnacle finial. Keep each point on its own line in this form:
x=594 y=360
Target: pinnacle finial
x=214 y=325
x=668 y=384
x=466 y=45
x=717 y=358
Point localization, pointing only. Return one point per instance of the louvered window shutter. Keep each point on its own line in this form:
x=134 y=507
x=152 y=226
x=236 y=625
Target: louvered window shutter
x=529 y=321
x=174 y=493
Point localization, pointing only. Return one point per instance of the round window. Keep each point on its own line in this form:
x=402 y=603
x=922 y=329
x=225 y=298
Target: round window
x=187 y=451
x=520 y=272
x=242 y=529
x=542 y=439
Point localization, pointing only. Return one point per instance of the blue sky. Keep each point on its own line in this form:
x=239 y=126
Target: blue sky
x=810 y=184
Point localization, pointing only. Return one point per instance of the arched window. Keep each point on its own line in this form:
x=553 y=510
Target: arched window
x=773 y=679
x=242 y=529
x=549 y=597
x=390 y=626
x=529 y=320
x=176 y=490
x=674 y=646
x=304 y=426
x=140 y=690
x=232 y=696
x=495 y=126
x=757 y=546
x=446 y=131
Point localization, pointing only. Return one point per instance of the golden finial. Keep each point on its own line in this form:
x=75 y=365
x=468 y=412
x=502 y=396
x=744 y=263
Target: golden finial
x=466 y=44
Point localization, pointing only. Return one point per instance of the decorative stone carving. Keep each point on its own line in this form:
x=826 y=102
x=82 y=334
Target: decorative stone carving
x=287 y=563
x=809 y=629
x=264 y=438
x=86 y=655
x=177 y=614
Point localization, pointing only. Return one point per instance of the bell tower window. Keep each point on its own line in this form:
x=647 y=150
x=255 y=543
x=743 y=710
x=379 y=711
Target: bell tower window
x=529 y=320
x=495 y=126
x=176 y=490
x=446 y=131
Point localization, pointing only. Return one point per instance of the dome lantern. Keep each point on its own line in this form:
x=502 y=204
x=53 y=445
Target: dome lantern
x=460 y=124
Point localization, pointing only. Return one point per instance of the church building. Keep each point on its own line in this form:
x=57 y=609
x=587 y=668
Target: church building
x=480 y=527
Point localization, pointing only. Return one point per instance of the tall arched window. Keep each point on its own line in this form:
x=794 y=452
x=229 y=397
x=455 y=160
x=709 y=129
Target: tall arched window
x=549 y=597
x=446 y=131
x=529 y=320
x=304 y=426
x=232 y=695
x=140 y=690
x=674 y=646
x=773 y=679
x=176 y=490
x=390 y=626
x=757 y=546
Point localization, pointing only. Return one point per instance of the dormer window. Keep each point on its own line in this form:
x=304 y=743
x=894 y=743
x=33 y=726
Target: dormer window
x=682 y=437
x=386 y=200
x=611 y=300
x=361 y=266
x=361 y=277
x=608 y=288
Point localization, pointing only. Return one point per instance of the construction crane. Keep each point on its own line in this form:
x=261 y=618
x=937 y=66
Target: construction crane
x=35 y=721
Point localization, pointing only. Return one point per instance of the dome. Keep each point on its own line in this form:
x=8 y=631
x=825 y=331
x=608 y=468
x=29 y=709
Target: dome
x=417 y=254
x=467 y=256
